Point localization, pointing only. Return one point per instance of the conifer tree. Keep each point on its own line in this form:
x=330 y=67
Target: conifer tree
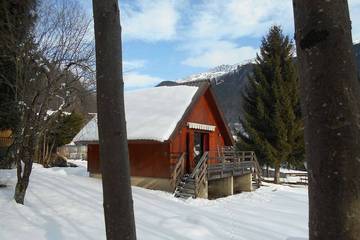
x=272 y=117
x=16 y=21
x=66 y=128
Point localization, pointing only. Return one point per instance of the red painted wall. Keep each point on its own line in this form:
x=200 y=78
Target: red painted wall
x=147 y=159
x=93 y=161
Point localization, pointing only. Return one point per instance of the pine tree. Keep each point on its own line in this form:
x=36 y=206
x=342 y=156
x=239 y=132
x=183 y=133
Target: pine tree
x=16 y=22
x=272 y=117
x=66 y=128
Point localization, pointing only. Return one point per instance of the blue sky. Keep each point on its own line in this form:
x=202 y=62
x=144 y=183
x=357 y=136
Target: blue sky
x=171 y=39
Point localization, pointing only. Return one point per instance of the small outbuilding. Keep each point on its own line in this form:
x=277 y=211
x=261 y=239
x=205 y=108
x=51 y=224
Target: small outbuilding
x=172 y=133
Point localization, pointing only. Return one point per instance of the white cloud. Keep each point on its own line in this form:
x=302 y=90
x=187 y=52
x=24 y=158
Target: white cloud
x=233 y=19
x=138 y=80
x=216 y=26
x=133 y=78
x=149 y=20
x=132 y=65
x=221 y=52
x=207 y=31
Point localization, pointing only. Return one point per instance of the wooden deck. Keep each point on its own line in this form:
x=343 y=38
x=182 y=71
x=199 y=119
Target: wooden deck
x=226 y=163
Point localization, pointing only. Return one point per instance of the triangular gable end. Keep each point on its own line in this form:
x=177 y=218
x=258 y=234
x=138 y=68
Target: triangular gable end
x=205 y=90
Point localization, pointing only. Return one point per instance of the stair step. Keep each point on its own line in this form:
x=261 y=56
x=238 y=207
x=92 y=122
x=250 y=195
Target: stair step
x=187 y=178
x=188 y=186
x=186 y=183
x=185 y=190
x=183 y=195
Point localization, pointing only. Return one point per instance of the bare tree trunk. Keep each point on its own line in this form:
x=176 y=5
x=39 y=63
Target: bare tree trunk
x=24 y=164
x=277 y=174
x=118 y=203
x=330 y=103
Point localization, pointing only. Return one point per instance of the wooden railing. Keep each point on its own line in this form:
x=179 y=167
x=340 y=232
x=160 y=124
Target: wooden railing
x=199 y=173
x=257 y=170
x=229 y=154
x=229 y=162
x=178 y=170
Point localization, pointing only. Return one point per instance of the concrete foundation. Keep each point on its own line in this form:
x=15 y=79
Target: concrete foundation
x=220 y=187
x=95 y=175
x=216 y=188
x=243 y=183
x=162 y=184
x=204 y=191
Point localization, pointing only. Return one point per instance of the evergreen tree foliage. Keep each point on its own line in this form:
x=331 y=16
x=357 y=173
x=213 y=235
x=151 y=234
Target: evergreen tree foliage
x=66 y=128
x=272 y=121
x=16 y=21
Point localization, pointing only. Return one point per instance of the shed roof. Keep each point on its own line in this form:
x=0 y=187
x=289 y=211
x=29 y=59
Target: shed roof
x=151 y=114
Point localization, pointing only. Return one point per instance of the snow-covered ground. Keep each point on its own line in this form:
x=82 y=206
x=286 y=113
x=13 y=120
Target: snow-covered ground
x=63 y=203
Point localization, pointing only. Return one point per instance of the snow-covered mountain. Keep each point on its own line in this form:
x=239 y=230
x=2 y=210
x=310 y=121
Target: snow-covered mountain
x=228 y=83
x=213 y=74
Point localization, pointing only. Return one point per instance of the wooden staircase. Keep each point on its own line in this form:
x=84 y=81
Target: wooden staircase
x=191 y=185
x=186 y=187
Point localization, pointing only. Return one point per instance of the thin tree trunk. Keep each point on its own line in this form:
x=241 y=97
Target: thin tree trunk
x=330 y=102
x=44 y=150
x=49 y=154
x=118 y=203
x=24 y=166
x=277 y=174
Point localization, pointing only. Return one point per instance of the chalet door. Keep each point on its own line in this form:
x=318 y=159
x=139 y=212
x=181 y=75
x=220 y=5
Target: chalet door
x=201 y=145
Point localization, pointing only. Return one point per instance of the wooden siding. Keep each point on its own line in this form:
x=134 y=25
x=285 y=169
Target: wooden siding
x=147 y=159
x=93 y=160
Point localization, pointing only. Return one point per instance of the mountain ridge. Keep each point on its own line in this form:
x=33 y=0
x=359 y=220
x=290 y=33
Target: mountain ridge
x=229 y=82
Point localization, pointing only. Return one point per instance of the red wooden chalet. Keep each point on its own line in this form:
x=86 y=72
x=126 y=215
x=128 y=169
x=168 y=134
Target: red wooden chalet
x=174 y=134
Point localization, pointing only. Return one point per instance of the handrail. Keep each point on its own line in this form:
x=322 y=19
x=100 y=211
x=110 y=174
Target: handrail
x=199 y=173
x=178 y=170
x=199 y=164
x=258 y=170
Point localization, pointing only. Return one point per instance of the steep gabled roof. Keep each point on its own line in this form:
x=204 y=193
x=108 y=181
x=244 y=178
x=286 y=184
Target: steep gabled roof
x=205 y=86
x=151 y=114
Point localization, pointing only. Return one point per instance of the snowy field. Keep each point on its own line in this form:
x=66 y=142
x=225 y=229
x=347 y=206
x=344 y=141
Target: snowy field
x=63 y=203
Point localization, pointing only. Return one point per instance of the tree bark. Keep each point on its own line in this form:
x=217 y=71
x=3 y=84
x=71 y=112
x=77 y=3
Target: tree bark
x=118 y=203
x=23 y=181
x=330 y=102
x=277 y=174
x=24 y=164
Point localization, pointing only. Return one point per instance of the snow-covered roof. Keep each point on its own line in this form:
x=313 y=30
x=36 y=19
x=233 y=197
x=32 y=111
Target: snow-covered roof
x=151 y=114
